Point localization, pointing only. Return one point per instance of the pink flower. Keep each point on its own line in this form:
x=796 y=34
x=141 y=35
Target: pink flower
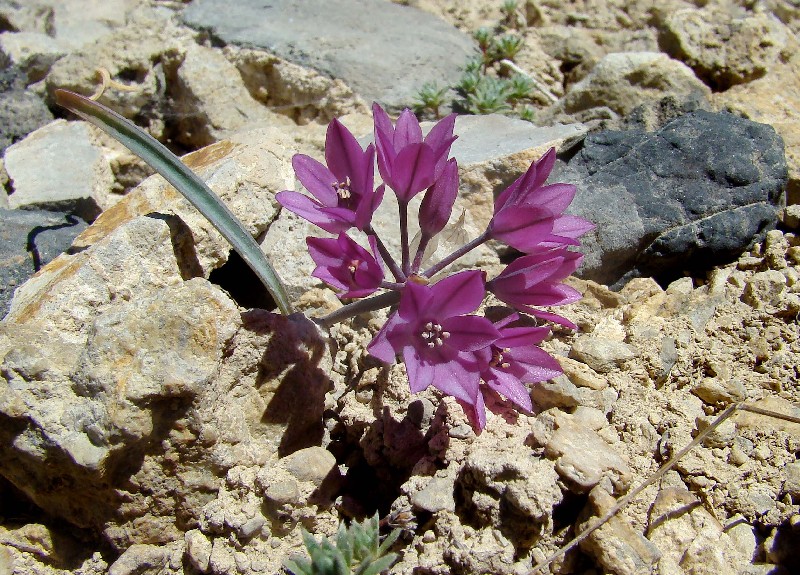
x=345 y=265
x=437 y=341
x=528 y=215
x=407 y=162
x=533 y=280
x=342 y=190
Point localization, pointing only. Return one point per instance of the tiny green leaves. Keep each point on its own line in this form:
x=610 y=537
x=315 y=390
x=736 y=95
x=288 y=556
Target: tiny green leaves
x=185 y=181
x=357 y=551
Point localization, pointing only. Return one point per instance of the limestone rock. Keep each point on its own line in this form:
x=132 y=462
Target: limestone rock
x=600 y=353
x=616 y=545
x=292 y=90
x=690 y=539
x=582 y=457
x=725 y=50
x=211 y=100
x=21 y=111
x=381 y=65
x=59 y=167
x=33 y=52
x=622 y=81
x=134 y=55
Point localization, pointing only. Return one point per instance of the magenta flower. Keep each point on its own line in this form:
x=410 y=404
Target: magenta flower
x=437 y=341
x=407 y=162
x=533 y=280
x=342 y=190
x=515 y=359
x=528 y=215
x=345 y=265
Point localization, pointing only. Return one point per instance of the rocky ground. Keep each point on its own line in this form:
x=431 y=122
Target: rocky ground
x=154 y=418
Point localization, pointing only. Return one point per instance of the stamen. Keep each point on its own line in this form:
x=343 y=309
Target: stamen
x=343 y=189
x=353 y=266
x=433 y=334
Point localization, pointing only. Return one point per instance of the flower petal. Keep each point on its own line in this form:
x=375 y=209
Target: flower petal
x=407 y=130
x=522 y=228
x=344 y=156
x=511 y=388
x=437 y=204
x=412 y=171
x=310 y=210
x=420 y=373
x=316 y=178
x=469 y=333
x=457 y=294
x=380 y=346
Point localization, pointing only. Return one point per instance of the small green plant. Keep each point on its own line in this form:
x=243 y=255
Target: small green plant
x=506 y=47
x=356 y=551
x=509 y=9
x=490 y=96
x=430 y=98
x=469 y=83
x=527 y=113
x=519 y=88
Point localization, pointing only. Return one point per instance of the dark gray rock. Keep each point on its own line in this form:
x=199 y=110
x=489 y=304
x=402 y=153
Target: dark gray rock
x=21 y=111
x=691 y=195
x=28 y=241
x=382 y=50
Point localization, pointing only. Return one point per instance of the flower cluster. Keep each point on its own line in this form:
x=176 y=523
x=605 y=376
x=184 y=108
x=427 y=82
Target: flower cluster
x=434 y=328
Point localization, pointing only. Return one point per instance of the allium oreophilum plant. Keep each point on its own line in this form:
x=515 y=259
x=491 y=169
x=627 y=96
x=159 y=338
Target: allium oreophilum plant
x=434 y=328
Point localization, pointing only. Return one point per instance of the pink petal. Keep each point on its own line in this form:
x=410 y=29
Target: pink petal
x=407 y=131
x=379 y=346
x=316 y=178
x=457 y=294
x=511 y=388
x=547 y=316
x=344 y=155
x=420 y=373
x=412 y=171
x=438 y=201
x=310 y=210
x=555 y=197
x=454 y=378
x=470 y=333
x=414 y=301
x=571 y=226
x=522 y=336
x=522 y=228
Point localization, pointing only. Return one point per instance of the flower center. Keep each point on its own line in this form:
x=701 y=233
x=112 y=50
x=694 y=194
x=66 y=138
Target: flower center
x=343 y=189
x=498 y=359
x=433 y=335
x=353 y=265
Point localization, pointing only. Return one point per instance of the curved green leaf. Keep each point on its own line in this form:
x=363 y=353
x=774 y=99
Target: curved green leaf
x=185 y=181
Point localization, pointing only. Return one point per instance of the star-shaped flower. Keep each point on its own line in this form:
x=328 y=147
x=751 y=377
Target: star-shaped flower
x=342 y=190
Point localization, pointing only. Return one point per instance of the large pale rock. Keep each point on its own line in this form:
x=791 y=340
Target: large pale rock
x=582 y=457
x=725 y=50
x=616 y=546
x=59 y=167
x=364 y=44
x=134 y=55
x=32 y=52
x=622 y=81
x=211 y=101
x=303 y=94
